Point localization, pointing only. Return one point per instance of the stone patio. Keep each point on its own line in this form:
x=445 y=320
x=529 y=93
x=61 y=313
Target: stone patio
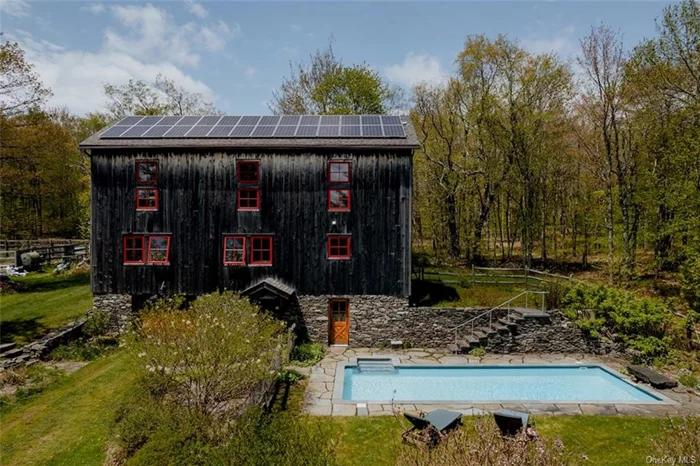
x=319 y=399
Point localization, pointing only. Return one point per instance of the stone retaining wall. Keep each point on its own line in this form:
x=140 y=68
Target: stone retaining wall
x=41 y=347
x=119 y=306
x=376 y=320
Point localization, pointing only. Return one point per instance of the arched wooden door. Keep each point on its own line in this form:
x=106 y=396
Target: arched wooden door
x=339 y=321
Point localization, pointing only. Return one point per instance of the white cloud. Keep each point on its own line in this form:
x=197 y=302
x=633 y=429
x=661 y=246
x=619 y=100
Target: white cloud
x=289 y=52
x=14 y=7
x=416 y=68
x=570 y=29
x=96 y=8
x=250 y=71
x=196 y=9
x=558 y=45
x=295 y=27
x=143 y=42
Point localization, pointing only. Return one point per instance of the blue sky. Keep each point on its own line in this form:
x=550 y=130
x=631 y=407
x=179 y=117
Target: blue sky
x=237 y=53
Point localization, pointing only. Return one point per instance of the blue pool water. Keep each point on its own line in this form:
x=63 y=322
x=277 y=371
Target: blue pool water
x=491 y=383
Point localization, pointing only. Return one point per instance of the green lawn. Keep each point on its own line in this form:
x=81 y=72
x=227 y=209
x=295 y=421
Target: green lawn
x=69 y=423
x=47 y=302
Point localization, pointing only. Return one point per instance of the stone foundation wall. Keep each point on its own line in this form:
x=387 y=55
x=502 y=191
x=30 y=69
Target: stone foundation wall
x=376 y=320
x=552 y=334
x=119 y=306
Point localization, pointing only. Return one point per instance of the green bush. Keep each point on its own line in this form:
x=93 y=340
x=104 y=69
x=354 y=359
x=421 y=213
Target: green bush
x=290 y=376
x=641 y=323
x=689 y=380
x=84 y=349
x=97 y=323
x=307 y=354
x=479 y=351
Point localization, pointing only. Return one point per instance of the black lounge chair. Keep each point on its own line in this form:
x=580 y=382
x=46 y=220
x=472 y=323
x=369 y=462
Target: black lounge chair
x=429 y=429
x=511 y=422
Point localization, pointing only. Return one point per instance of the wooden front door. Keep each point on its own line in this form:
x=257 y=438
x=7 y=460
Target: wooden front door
x=339 y=320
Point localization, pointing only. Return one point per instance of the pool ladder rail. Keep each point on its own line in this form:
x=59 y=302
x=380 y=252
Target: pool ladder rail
x=470 y=324
x=375 y=365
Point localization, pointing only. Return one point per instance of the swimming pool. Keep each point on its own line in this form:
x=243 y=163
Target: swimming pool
x=589 y=383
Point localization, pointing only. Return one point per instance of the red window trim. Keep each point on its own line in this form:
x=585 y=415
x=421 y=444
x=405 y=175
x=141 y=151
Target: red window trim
x=257 y=171
x=242 y=262
x=138 y=207
x=339 y=256
x=257 y=198
x=252 y=243
x=143 y=250
x=330 y=180
x=338 y=209
x=167 y=250
x=138 y=180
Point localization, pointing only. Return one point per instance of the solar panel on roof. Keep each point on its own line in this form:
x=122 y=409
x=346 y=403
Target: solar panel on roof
x=330 y=119
x=390 y=120
x=285 y=131
x=220 y=131
x=242 y=131
x=263 y=131
x=200 y=131
x=350 y=131
x=189 y=120
x=290 y=120
x=249 y=120
x=307 y=131
x=114 y=131
x=169 y=120
x=209 y=120
x=371 y=130
x=177 y=131
x=328 y=131
x=310 y=120
x=135 y=131
x=130 y=121
x=393 y=130
x=269 y=126
x=229 y=120
x=156 y=131
x=150 y=120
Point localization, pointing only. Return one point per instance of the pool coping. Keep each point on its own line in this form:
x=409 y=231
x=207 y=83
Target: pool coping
x=337 y=394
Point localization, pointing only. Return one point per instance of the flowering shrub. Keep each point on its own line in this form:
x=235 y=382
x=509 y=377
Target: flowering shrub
x=210 y=356
x=481 y=442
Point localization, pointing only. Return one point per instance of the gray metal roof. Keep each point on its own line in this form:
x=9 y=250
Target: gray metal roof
x=409 y=142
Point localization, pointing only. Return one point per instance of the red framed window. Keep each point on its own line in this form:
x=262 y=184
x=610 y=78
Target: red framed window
x=159 y=250
x=134 y=249
x=248 y=171
x=339 y=172
x=147 y=172
x=234 y=250
x=339 y=247
x=249 y=199
x=261 y=250
x=339 y=200
x=146 y=199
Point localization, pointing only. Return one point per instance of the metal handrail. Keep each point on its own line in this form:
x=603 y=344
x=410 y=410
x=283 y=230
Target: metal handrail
x=490 y=312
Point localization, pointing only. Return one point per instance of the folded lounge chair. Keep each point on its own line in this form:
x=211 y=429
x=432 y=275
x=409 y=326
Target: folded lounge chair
x=429 y=429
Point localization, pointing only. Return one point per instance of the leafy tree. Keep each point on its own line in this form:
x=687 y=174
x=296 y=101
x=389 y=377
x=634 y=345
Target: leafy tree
x=20 y=86
x=326 y=86
x=161 y=97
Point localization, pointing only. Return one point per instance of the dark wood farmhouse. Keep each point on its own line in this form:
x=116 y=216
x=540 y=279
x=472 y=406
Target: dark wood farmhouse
x=308 y=215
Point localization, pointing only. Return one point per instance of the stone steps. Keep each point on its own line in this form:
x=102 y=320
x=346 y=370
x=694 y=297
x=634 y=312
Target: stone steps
x=502 y=326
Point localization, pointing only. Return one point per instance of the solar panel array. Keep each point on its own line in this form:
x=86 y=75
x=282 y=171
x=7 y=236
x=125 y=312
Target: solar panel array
x=286 y=126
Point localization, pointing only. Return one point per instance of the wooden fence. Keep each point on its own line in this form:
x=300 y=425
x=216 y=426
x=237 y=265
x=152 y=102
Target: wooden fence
x=50 y=249
x=495 y=276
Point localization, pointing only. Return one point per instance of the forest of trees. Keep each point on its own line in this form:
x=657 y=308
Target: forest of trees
x=525 y=157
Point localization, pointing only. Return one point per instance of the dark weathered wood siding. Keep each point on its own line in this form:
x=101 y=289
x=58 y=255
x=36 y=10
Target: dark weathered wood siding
x=198 y=207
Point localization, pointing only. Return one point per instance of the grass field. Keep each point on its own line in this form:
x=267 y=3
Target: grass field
x=47 y=301
x=67 y=424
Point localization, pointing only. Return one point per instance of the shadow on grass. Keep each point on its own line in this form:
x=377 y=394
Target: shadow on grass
x=21 y=330
x=425 y=293
x=39 y=284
